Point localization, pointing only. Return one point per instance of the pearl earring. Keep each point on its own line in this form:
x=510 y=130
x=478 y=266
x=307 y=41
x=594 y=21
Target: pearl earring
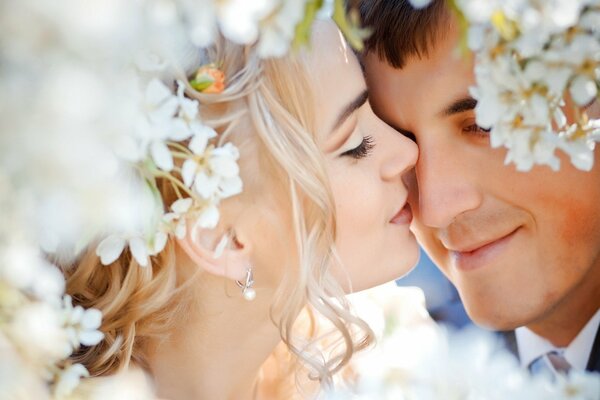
x=247 y=291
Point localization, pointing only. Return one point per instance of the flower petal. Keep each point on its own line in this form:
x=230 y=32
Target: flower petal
x=76 y=315
x=209 y=217
x=91 y=319
x=182 y=205
x=206 y=186
x=199 y=142
x=188 y=172
x=162 y=156
x=139 y=251
x=90 y=338
x=68 y=380
x=181 y=230
x=224 y=166
x=231 y=186
x=179 y=130
x=110 y=249
x=160 y=241
x=157 y=92
x=164 y=112
x=583 y=90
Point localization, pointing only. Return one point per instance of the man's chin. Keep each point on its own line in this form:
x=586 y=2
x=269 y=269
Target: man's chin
x=497 y=318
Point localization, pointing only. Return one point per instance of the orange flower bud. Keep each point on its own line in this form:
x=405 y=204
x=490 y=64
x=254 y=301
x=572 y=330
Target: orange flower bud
x=209 y=79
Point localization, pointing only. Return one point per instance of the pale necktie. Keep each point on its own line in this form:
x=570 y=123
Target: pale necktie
x=552 y=363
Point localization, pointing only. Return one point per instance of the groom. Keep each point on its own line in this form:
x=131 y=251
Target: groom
x=523 y=248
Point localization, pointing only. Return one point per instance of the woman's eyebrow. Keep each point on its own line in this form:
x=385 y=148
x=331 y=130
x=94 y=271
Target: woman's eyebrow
x=350 y=108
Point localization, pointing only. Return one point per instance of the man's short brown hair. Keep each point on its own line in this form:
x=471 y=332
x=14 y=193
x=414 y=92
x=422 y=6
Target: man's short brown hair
x=399 y=31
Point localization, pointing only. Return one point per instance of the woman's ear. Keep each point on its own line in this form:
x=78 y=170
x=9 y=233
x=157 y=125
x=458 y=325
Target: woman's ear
x=221 y=253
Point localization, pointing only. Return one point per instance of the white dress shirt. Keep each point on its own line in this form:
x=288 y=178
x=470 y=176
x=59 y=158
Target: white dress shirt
x=532 y=346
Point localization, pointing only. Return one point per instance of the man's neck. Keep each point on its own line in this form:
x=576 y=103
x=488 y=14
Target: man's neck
x=563 y=322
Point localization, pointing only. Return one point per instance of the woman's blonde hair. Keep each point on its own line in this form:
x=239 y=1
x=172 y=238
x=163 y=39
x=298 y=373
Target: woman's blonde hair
x=138 y=303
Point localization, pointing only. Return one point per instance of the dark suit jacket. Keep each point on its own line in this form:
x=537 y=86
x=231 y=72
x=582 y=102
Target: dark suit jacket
x=594 y=360
x=510 y=342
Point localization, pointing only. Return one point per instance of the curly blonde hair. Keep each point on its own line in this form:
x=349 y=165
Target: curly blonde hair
x=138 y=303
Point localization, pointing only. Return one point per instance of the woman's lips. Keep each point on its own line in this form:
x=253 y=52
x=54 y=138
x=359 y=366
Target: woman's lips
x=482 y=255
x=404 y=216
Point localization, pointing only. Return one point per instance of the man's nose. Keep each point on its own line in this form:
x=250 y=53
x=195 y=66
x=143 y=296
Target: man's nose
x=446 y=186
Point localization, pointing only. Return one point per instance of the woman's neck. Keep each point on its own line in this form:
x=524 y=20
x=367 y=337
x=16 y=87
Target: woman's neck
x=217 y=348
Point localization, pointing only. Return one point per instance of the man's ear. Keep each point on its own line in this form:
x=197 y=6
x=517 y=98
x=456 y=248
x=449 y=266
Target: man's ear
x=219 y=252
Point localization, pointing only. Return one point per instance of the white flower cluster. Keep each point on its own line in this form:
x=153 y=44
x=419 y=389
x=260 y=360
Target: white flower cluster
x=269 y=23
x=39 y=327
x=537 y=68
x=168 y=120
x=416 y=359
x=80 y=152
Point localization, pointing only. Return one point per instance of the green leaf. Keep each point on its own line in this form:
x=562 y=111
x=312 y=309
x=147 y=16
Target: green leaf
x=202 y=82
x=349 y=24
x=303 y=29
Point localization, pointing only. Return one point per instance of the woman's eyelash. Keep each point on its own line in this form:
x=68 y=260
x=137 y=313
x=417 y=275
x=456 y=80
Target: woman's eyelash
x=363 y=150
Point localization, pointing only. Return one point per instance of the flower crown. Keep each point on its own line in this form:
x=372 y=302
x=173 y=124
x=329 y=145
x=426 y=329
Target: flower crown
x=169 y=130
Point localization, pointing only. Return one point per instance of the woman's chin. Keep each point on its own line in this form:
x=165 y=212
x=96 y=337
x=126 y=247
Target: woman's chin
x=361 y=270
x=402 y=262
x=390 y=272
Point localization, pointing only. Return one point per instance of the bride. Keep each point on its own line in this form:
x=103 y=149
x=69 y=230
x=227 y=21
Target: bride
x=323 y=212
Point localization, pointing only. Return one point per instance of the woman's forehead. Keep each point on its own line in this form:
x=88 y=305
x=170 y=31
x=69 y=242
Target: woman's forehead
x=335 y=74
x=328 y=47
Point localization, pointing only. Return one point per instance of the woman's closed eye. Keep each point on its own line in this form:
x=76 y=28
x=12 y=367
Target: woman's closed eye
x=362 y=150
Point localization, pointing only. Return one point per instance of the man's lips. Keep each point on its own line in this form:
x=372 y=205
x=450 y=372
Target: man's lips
x=473 y=256
x=403 y=216
x=475 y=246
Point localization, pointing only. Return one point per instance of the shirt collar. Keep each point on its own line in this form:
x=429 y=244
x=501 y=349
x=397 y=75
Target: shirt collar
x=531 y=346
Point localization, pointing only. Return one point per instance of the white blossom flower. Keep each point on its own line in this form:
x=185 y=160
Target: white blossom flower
x=527 y=55
x=580 y=151
x=112 y=246
x=38 y=330
x=19 y=379
x=202 y=22
x=579 y=385
x=198 y=146
x=175 y=220
x=239 y=19
x=67 y=155
x=277 y=32
x=169 y=117
x=68 y=379
x=82 y=324
x=218 y=176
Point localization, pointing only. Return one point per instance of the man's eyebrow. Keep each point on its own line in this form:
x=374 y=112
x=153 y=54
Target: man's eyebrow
x=461 y=105
x=350 y=108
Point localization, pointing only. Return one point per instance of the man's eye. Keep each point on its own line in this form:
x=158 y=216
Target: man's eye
x=475 y=129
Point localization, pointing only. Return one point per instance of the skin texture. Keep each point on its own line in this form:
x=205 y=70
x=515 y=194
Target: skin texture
x=545 y=274
x=218 y=347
